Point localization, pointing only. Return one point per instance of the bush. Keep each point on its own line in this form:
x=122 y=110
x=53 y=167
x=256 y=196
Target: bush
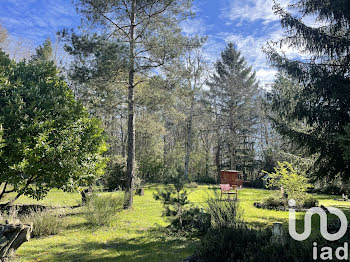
x=294 y=185
x=101 y=210
x=177 y=208
x=276 y=202
x=332 y=190
x=309 y=201
x=152 y=170
x=115 y=177
x=245 y=244
x=224 y=214
x=273 y=202
x=45 y=223
x=256 y=183
x=192 y=220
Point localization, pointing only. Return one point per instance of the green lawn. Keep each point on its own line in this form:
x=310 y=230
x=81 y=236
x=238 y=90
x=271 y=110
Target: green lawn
x=137 y=234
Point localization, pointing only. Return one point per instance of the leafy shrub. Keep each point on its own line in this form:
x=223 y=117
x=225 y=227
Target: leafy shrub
x=245 y=244
x=332 y=189
x=276 y=202
x=309 y=201
x=273 y=201
x=224 y=214
x=293 y=184
x=45 y=223
x=115 y=177
x=152 y=170
x=101 y=210
x=192 y=220
x=256 y=183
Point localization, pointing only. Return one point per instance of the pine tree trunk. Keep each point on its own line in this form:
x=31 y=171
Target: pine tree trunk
x=129 y=193
x=189 y=140
x=217 y=160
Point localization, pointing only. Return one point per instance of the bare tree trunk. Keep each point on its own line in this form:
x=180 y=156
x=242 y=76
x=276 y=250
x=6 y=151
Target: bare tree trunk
x=189 y=140
x=129 y=193
x=122 y=136
x=217 y=159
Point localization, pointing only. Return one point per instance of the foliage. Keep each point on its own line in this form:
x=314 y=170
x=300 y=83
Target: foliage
x=294 y=184
x=247 y=244
x=175 y=199
x=46 y=223
x=308 y=202
x=141 y=226
x=50 y=142
x=232 y=100
x=205 y=180
x=151 y=31
x=310 y=100
x=115 y=177
x=224 y=214
x=43 y=53
x=273 y=201
x=344 y=142
x=102 y=210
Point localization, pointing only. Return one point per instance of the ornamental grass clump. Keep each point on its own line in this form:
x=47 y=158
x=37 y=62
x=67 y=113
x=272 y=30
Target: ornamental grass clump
x=102 y=209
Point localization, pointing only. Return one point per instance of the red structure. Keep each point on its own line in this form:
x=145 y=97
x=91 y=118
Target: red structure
x=231 y=177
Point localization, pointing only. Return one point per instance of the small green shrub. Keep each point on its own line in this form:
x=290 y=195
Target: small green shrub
x=101 y=210
x=273 y=201
x=294 y=184
x=177 y=207
x=250 y=245
x=224 y=214
x=45 y=223
x=309 y=201
x=115 y=177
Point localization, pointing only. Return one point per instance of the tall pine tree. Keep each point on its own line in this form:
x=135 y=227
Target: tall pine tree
x=320 y=98
x=233 y=90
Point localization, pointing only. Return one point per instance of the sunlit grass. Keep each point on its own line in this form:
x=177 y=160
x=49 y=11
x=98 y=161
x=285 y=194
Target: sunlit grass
x=135 y=235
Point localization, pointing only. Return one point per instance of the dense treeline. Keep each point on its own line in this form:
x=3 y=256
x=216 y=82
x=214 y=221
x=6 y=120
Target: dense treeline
x=163 y=106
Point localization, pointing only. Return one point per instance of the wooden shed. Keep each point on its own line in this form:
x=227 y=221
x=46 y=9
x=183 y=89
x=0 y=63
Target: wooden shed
x=231 y=177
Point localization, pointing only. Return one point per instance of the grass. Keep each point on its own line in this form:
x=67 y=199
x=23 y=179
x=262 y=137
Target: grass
x=136 y=234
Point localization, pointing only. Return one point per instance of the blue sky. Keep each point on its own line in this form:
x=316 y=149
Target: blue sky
x=247 y=23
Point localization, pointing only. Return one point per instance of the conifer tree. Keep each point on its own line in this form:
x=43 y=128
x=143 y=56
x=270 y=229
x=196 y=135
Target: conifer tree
x=320 y=98
x=44 y=52
x=233 y=90
x=150 y=28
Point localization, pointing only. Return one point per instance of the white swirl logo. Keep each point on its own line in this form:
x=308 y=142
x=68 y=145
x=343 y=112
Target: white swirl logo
x=323 y=223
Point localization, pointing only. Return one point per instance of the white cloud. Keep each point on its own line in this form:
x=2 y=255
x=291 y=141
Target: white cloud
x=251 y=10
x=251 y=48
x=193 y=27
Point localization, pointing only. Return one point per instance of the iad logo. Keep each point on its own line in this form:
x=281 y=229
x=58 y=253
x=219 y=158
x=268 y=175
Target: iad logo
x=342 y=252
x=323 y=223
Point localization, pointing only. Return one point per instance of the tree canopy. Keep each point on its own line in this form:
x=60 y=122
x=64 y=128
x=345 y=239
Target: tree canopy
x=320 y=99
x=49 y=141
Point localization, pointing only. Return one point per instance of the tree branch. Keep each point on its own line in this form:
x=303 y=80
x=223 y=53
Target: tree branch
x=110 y=20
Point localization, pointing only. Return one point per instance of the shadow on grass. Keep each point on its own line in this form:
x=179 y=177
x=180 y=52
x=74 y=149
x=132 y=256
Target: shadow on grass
x=152 y=245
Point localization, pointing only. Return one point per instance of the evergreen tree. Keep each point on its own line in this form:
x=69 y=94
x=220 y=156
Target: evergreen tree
x=43 y=52
x=233 y=90
x=315 y=109
x=151 y=30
